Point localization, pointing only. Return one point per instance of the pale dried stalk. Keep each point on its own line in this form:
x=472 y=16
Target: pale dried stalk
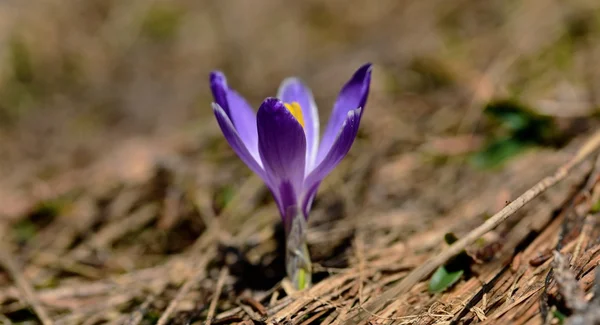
x=213 y=303
x=23 y=285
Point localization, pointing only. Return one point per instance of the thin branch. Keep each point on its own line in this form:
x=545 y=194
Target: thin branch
x=421 y=272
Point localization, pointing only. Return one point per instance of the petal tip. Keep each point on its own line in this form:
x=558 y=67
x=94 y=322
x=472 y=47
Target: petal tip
x=291 y=82
x=218 y=79
x=216 y=75
x=218 y=87
x=364 y=72
x=275 y=107
x=272 y=104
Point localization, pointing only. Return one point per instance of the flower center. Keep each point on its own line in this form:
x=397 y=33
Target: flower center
x=296 y=111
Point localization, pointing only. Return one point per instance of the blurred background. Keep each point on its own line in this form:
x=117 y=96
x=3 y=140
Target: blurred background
x=75 y=75
x=465 y=95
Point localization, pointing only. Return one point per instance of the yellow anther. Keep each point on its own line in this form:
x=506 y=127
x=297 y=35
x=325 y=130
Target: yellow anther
x=296 y=111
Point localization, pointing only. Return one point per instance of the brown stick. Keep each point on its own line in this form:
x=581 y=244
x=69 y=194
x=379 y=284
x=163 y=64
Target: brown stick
x=24 y=286
x=418 y=274
x=213 y=303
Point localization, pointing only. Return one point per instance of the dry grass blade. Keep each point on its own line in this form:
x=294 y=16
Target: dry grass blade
x=138 y=315
x=24 y=286
x=213 y=303
x=418 y=274
x=187 y=286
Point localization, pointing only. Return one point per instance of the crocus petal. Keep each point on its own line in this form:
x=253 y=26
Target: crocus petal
x=219 y=88
x=244 y=120
x=282 y=148
x=236 y=143
x=294 y=90
x=352 y=96
x=287 y=202
x=340 y=148
x=238 y=110
x=309 y=196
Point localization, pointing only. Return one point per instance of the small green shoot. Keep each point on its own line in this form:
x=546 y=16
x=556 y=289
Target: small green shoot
x=441 y=280
x=559 y=316
x=447 y=275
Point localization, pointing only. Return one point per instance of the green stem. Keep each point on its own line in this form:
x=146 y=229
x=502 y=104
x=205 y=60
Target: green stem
x=297 y=259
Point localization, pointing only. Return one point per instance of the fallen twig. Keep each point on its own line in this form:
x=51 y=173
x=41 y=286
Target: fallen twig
x=215 y=299
x=24 y=286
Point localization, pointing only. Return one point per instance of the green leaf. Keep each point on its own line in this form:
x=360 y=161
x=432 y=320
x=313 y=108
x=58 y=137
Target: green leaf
x=512 y=114
x=442 y=279
x=497 y=152
x=522 y=122
x=560 y=316
x=517 y=128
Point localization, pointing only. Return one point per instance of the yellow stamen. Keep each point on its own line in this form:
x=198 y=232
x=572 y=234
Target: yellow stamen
x=296 y=111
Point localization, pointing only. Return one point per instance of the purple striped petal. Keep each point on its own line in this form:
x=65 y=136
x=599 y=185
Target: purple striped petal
x=282 y=148
x=294 y=90
x=340 y=148
x=219 y=88
x=352 y=96
x=309 y=196
x=238 y=110
x=287 y=202
x=236 y=143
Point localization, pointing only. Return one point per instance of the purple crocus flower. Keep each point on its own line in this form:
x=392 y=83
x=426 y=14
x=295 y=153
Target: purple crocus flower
x=281 y=142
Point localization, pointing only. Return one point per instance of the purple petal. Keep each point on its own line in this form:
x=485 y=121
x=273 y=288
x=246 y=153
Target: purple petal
x=238 y=110
x=282 y=148
x=309 y=196
x=340 y=148
x=294 y=90
x=287 y=201
x=236 y=143
x=219 y=88
x=244 y=120
x=352 y=96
